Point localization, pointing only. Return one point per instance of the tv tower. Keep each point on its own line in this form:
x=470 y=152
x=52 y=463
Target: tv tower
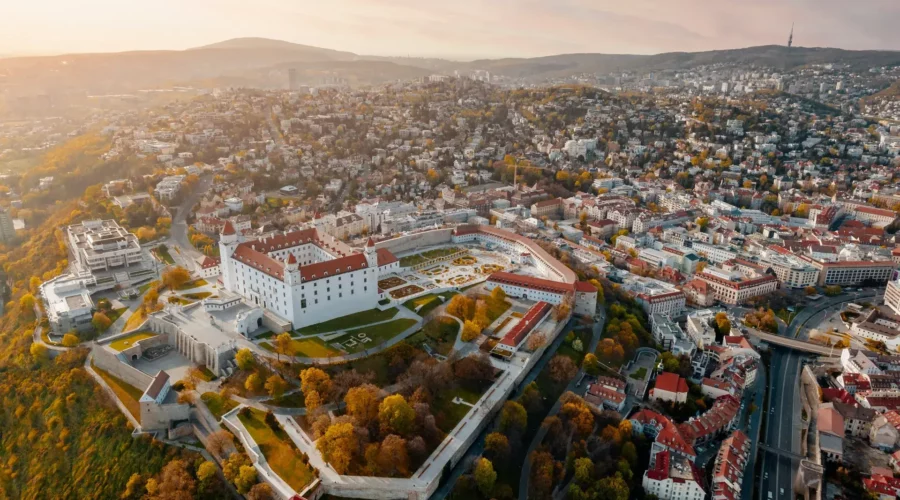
x=791 y=36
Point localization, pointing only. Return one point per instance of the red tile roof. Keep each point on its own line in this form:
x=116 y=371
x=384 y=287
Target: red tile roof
x=531 y=282
x=671 y=382
x=330 y=268
x=385 y=257
x=525 y=325
x=229 y=229
x=156 y=386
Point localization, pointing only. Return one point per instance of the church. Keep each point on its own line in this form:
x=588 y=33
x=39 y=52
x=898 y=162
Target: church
x=303 y=276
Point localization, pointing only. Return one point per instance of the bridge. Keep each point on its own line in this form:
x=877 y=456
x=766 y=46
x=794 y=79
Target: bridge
x=796 y=344
x=779 y=451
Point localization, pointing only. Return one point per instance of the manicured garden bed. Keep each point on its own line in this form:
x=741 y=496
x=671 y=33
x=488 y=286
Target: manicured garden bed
x=123 y=343
x=392 y=282
x=412 y=260
x=406 y=291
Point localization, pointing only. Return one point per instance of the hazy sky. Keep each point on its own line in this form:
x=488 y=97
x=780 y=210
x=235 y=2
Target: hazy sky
x=460 y=29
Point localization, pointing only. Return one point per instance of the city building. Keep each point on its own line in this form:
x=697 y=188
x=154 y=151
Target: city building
x=68 y=304
x=669 y=387
x=103 y=245
x=734 y=287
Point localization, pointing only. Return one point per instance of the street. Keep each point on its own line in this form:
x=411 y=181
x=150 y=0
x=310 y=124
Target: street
x=783 y=417
x=180 y=247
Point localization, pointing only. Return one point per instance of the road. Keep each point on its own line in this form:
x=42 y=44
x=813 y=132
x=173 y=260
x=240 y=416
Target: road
x=783 y=417
x=178 y=236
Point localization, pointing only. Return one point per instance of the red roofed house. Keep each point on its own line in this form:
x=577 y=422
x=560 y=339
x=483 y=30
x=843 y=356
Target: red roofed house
x=669 y=387
x=729 y=468
x=672 y=477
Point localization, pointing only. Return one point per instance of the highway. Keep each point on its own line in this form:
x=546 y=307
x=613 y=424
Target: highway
x=783 y=418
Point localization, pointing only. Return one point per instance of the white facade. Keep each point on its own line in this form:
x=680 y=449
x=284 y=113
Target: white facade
x=101 y=245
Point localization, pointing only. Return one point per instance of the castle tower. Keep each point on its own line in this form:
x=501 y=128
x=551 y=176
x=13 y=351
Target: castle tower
x=371 y=254
x=228 y=241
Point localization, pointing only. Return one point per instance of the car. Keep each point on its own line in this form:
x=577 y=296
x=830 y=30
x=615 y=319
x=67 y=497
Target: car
x=781 y=491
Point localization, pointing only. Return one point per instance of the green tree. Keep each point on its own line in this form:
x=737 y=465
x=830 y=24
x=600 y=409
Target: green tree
x=485 y=476
x=584 y=470
x=613 y=488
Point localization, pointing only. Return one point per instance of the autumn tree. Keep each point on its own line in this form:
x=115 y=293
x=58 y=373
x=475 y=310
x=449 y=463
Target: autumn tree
x=283 y=345
x=470 y=331
x=562 y=368
x=543 y=474
x=590 y=364
x=244 y=359
x=316 y=386
x=39 y=352
x=362 y=403
x=513 y=418
x=275 y=386
x=26 y=305
x=100 y=321
x=175 y=277
x=175 y=481
x=810 y=290
x=70 y=340
x=498 y=295
x=535 y=341
x=497 y=446
x=220 y=442
x=339 y=446
x=723 y=324
x=461 y=306
x=611 y=352
x=393 y=457
x=481 y=318
x=395 y=415
x=253 y=383
x=485 y=476
x=260 y=491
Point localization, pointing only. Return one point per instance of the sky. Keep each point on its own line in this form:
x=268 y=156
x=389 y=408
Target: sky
x=455 y=29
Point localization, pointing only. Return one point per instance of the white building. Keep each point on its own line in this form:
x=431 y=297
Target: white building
x=671 y=477
x=735 y=288
x=102 y=245
x=69 y=304
x=168 y=187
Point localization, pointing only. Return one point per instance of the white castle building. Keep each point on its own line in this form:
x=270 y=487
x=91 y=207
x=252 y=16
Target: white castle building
x=302 y=276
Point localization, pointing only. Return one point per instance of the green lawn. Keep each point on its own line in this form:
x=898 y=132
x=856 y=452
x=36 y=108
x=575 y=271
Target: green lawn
x=377 y=333
x=349 y=321
x=640 y=374
x=164 y=255
x=428 y=302
x=280 y=452
x=495 y=310
x=440 y=333
x=128 y=394
x=115 y=314
x=217 y=404
x=293 y=400
x=412 y=260
x=311 y=347
x=198 y=296
x=123 y=343
x=449 y=414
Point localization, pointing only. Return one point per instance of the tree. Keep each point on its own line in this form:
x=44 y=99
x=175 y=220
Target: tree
x=220 y=442
x=461 y=306
x=175 y=277
x=246 y=478
x=362 y=403
x=613 y=488
x=244 y=359
x=562 y=368
x=470 y=331
x=543 y=473
x=513 y=418
x=832 y=290
x=498 y=295
x=393 y=458
x=253 y=383
x=584 y=471
x=536 y=341
x=260 y=491
x=611 y=352
x=315 y=380
x=100 y=321
x=276 y=386
x=39 y=352
x=339 y=446
x=283 y=345
x=481 y=318
x=723 y=324
x=590 y=364
x=395 y=415
x=703 y=222
x=497 y=446
x=26 y=305
x=629 y=452
x=175 y=481
x=810 y=290
x=485 y=476
x=70 y=340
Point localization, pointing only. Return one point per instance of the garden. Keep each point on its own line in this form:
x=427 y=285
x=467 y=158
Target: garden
x=371 y=336
x=392 y=282
x=406 y=291
x=419 y=258
x=285 y=459
x=466 y=260
x=127 y=341
x=349 y=321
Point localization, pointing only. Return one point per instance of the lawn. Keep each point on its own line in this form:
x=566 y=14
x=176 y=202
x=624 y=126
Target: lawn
x=378 y=334
x=198 y=296
x=495 y=310
x=128 y=394
x=412 y=260
x=135 y=320
x=427 y=303
x=164 y=255
x=448 y=413
x=440 y=333
x=640 y=374
x=292 y=400
x=281 y=454
x=206 y=374
x=146 y=286
x=217 y=404
x=123 y=343
x=350 y=321
x=193 y=284
x=311 y=347
x=115 y=314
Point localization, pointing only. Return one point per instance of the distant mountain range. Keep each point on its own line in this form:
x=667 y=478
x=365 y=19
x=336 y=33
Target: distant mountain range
x=264 y=63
